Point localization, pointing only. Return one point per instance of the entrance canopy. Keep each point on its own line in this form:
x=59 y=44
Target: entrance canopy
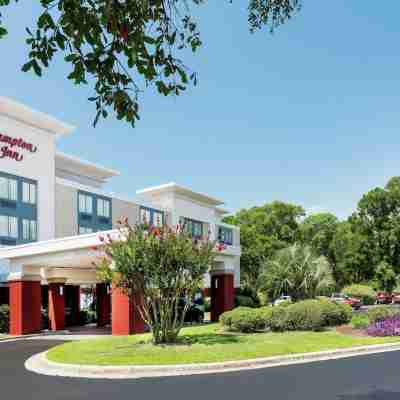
x=70 y=259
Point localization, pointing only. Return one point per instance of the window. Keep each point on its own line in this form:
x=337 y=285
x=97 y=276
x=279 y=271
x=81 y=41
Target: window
x=9 y=226
x=145 y=216
x=225 y=235
x=8 y=188
x=194 y=228
x=29 y=230
x=83 y=230
x=85 y=203
x=28 y=192
x=157 y=218
x=151 y=217
x=103 y=208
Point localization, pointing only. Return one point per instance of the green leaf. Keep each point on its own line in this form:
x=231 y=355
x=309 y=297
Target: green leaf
x=3 y=32
x=36 y=68
x=26 y=67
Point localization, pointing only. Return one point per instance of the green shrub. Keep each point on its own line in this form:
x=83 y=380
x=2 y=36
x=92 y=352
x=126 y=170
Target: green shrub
x=346 y=313
x=360 y=321
x=305 y=315
x=4 y=318
x=244 y=301
x=365 y=293
x=245 y=321
x=379 y=313
x=226 y=318
x=264 y=315
x=87 y=316
x=335 y=314
x=278 y=317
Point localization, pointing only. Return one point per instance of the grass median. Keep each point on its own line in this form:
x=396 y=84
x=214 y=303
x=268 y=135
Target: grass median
x=202 y=344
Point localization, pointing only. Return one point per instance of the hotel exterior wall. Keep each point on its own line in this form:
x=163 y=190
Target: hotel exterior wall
x=66 y=211
x=38 y=166
x=127 y=209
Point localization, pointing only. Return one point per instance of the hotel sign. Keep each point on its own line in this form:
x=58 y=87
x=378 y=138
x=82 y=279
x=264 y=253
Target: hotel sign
x=14 y=148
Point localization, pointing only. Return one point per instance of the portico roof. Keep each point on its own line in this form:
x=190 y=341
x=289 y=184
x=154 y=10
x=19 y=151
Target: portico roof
x=173 y=187
x=87 y=241
x=71 y=258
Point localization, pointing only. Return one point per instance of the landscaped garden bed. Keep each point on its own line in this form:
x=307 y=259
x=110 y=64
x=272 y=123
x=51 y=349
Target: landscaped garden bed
x=203 y=344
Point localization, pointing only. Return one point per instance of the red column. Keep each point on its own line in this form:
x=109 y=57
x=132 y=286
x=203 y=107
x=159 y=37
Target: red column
x=57 y=306
x=103 y=304
x=76 y=304
x=25 y=307
x=125 y=317
x=222 y=294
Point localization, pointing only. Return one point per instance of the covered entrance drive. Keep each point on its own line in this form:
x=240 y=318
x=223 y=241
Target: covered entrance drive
x=55 y=269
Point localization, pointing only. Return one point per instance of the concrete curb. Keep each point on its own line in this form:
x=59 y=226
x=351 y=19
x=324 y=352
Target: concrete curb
x=41 y=365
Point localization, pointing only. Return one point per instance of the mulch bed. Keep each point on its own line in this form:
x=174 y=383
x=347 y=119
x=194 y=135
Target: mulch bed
x=349 y=330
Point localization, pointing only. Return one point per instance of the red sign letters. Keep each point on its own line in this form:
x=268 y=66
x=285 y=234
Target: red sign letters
x=11 y=146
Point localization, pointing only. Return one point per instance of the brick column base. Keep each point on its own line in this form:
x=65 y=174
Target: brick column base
x=125 y=318
x=222 y=294
x=57 y=306
x=25 y=307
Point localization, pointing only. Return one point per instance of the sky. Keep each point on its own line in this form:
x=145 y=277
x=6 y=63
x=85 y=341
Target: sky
x=308 y=115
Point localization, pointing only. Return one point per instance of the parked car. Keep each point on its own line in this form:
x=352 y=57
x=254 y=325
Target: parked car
x=282 y=299
x=344 y=299
x=396 y=298
x=384 y=298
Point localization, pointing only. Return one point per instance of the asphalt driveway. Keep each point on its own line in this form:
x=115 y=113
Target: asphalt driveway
x=374 y=377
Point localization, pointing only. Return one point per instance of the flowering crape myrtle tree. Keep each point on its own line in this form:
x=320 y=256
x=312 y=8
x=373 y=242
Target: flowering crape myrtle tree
x=165 y=264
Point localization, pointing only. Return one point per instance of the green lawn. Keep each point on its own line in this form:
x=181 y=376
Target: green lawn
x=201 y=345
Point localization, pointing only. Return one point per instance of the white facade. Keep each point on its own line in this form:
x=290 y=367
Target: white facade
x=70 y=206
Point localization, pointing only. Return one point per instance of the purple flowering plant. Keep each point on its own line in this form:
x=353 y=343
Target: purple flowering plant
x=385 y=327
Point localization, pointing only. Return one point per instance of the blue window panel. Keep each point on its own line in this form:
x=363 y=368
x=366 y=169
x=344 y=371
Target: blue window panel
x=91 y=220
x=151 y=216
x=18 y=209
x=225 y=235
x=193 y=227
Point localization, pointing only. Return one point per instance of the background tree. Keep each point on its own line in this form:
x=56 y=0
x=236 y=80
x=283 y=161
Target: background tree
x=163 y=264
x=385 y=277
x=318 y=231
x=263 y=231
x=296 y=271
x=352 y=257
x=378 y=220
x=123 y=46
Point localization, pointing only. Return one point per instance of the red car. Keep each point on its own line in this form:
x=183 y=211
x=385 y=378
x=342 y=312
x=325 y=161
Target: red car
x=342 y=298
x=384 y=298
x=396 y=298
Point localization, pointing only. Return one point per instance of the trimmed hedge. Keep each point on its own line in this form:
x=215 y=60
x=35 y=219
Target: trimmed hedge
x=380 y=313
x=363 y=292
x=307 y=315
x=4 y=318
x=335 y=314
x=360 y=321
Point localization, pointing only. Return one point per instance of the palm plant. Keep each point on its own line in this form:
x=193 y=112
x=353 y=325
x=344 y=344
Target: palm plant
x=296 y=271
